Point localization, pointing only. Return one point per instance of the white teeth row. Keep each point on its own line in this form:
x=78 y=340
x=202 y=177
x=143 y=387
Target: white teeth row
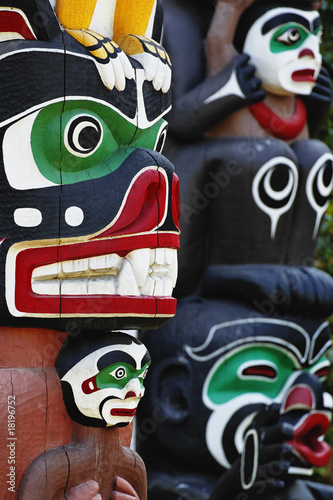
x=147 y=271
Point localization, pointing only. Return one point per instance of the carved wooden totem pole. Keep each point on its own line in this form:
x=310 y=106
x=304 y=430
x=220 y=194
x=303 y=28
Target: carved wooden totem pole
x=237 y=376
x=89 y=234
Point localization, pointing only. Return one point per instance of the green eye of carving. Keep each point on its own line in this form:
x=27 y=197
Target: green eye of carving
x=289 y=37
x=84 y=140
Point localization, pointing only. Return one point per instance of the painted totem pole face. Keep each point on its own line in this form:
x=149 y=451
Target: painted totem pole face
x=264 y=368
x=284 y=46
x=104 y=388
x=89 y=205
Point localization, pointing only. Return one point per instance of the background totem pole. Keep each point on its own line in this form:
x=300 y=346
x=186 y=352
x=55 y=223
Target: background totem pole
x=237 y=374
x=89 y=213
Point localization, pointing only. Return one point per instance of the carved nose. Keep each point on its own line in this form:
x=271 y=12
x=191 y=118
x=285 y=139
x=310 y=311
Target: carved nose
x=130 y=394
x=299 y=397
x=306 y=52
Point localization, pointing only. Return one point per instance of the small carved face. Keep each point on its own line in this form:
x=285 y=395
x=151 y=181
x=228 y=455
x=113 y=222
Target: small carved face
x=284 y=46
x=104 y=388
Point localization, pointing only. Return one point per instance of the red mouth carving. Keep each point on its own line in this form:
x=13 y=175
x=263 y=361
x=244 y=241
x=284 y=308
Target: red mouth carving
x=12 y=21
x=304 y=75
x=123 y=412
x=135 y=227
x=306 y=439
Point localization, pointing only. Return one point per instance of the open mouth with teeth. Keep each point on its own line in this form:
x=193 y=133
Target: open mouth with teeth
x=308 y=439
x=127 y=269
x=109 y=283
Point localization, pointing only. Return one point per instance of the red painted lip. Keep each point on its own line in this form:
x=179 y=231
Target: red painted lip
x=123 y=412
x=306 y=439
x=12 y=21
x=304 y=75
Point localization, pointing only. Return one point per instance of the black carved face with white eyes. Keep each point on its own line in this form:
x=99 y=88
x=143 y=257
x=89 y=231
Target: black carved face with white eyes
x=246 y=375
x=80 y=171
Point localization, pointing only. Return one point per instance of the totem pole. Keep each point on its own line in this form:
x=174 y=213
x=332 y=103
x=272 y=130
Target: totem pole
x=237 y=374
x=89 y=235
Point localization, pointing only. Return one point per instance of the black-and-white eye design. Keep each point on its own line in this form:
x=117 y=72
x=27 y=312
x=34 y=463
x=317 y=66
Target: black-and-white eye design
x=290 y=37
x=319 y=186
x=274 y=188
x=161 y=137
x=83 y=135
x=119 y=373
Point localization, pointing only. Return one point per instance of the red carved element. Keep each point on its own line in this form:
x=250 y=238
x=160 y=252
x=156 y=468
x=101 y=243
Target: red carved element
x=285 y=128
x=12 y=21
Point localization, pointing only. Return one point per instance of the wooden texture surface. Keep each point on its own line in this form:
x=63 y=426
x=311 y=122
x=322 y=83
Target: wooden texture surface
x=36 y=434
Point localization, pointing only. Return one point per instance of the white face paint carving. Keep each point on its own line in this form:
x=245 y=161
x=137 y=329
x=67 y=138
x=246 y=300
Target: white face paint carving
x=284 y=46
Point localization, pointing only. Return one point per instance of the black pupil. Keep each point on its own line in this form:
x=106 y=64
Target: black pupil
x=328 y=173
x=294 y=35
x=89 y=138
x=280 y=178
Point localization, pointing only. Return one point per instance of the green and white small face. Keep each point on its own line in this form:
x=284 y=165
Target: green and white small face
x=107 y=385
x=284 y=45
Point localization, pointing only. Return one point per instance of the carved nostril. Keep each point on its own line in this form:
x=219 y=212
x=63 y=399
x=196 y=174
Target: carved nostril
x=130 y=394
x=306 y=52
x=299 y=397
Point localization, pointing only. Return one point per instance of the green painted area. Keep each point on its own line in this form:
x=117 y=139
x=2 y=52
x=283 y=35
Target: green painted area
x=289 y=37
x=104 y=137
x=228 y=379
x=118 y=375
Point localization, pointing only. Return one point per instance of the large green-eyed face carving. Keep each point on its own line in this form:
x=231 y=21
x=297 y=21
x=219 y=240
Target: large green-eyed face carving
x=276 y=361
x=90 y=206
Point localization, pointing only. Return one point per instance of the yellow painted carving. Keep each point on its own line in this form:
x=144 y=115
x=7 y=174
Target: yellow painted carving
x=76 y=15
x=86 y=38
x=132 y=17
x=131 y=45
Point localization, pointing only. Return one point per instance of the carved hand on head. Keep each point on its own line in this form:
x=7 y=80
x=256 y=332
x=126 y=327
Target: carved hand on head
x=249 y=83
x=284 y=45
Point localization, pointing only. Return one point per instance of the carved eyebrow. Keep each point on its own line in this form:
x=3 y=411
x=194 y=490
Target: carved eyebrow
x=287 y=18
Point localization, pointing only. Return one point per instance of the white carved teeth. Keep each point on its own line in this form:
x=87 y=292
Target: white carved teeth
x=139 y=260
x=146 y=271
x=109 y=262
x=126 y=282
x=102 y=286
